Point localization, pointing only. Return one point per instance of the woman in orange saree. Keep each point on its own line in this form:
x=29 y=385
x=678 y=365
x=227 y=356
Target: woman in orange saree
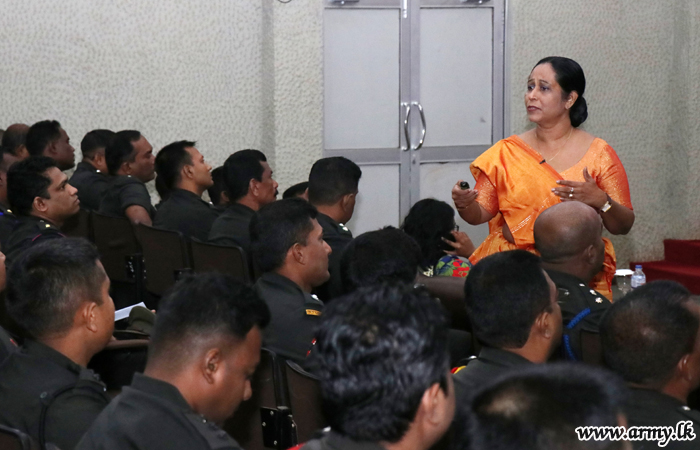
x=523 y=175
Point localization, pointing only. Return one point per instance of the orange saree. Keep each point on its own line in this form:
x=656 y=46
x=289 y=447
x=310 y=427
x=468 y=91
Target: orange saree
x=514 y=185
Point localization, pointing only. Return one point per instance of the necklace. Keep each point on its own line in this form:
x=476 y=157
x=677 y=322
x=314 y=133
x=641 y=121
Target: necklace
x=564 y=145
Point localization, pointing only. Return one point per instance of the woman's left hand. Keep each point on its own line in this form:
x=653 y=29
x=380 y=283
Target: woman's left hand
x=586 y=192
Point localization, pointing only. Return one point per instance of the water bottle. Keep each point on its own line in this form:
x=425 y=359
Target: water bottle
x=638 y=277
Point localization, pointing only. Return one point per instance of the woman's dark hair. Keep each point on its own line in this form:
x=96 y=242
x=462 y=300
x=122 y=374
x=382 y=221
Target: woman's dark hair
x=427 y=222
x=570 y=77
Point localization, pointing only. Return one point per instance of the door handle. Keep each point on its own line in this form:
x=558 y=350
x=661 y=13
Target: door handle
x=407 y=115
x=422 y=120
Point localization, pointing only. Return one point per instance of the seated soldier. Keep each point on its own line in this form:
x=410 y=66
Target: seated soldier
x=8 y=220
x=131 y=163
x=48 y=138
x=217 y=191
x=651 y=338
x=384 y=371
x=298 y=190
x=333 y=191
x=42 y=198
x=58 y=293
x=569 y=238
x=90 y=177
x=289 y=249
x=186 y=176
x=7 y=344
x=512 y=304
x=540 y=408
x=14 y=140
x=201 y=358
x=250 y=186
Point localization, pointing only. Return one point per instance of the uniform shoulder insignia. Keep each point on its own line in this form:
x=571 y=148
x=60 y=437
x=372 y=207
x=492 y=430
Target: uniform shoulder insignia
x=216 y=437
x=313 y=306
x=313 y=312
x=691 y=414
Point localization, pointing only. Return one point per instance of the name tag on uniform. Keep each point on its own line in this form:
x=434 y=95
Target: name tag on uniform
x=313 y=312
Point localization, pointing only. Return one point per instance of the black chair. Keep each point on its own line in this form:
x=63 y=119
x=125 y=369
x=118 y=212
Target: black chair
x=219 y=258
x=79 y=225
x=118 y=361
x=165 y=257
x=264 y=421
x=304 y=393
x=11 y=439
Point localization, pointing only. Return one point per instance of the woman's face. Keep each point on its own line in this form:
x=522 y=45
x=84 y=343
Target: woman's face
x=543 y=98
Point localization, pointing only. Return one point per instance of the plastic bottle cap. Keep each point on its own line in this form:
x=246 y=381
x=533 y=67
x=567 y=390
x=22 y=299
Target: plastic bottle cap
x=638 y=266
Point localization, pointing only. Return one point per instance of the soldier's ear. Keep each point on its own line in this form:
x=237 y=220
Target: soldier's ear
x=211 y=365
x=187 y=171
x=40 y=204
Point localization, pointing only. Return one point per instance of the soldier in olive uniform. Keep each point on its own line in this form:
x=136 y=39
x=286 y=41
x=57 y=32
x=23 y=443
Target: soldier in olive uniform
x=131 y=162
x=651 y=337
x=569 y=238
x=250 y=186
x=288 y=247
x=58 y=293
x=513 y=306
x=185 y=174
x=90 y=177
x=384 y=371
x=40 y=194
x=333 y=190
x=201 y=358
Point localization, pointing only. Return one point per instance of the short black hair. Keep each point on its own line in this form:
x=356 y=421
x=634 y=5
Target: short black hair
x=12 y=139
x=42 y=134
x=648 y=331
x=27 y=180
x=505 y=292
x=539 y=408
x=95 y=140
x=377 y=351
x=429 y=222
x=170 y=161
x=296 y=190
x=332 y=178
x=379 y=256
x=239 y=169
x=202 y=305
x=121 y=149
x=276 y=227
x=219 y=186
x=47 y=283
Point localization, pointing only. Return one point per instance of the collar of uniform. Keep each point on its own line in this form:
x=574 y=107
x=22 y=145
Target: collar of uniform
x=330 y=225
x=280 y=281
x=160 y=389
x=237 y=208
x=660 y=400
x=86 y=167
x=39 y=220
x=564 y=279
x=338 y=441
x=502 y=357
x=4 y=210
x=40 y=350
x=186 y=195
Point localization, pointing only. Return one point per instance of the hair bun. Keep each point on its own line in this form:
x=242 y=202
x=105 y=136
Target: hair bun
x=578 y=112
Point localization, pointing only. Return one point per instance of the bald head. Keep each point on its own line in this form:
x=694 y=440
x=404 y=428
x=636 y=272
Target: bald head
x=14 y=138
x=566 y=230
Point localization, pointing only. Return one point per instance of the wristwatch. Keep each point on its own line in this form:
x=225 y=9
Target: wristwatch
x=607 y=205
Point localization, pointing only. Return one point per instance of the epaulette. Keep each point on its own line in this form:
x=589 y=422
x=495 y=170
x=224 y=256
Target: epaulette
x=691 y=414
x=313 y=306
x=215 y=436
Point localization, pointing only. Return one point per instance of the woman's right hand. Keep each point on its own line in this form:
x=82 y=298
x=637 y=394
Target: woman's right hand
x=463 y=198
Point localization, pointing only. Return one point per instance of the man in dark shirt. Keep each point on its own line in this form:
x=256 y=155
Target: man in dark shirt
x=8 y=220
x=250 y=186
x=90 y=176
x=333 y=191
x=58 y=293
x=513 y=307
x=200 y=360
x=40 y=194
x=130 y=162
x=186 y=176
x=48 y=138
x=569 y=238
x=14 y=140
x=651 y=338
x=217 y=191
x=384 y=371
x=289 y=249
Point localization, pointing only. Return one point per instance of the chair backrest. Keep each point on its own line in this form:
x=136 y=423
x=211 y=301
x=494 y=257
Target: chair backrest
x=165 y=257
x=219 y=258
x=117 y=244
x=11 y=439
x=246 y=425
x=79 y=225
x=117 y=363
x=450 y=292
x=591 y=348
x=304 y=401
